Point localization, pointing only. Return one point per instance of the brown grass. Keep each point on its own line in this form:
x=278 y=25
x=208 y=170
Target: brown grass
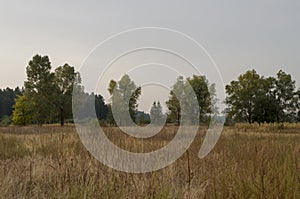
x=50 y=162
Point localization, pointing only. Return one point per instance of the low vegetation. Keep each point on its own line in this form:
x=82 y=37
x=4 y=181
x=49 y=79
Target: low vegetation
x=248 y=162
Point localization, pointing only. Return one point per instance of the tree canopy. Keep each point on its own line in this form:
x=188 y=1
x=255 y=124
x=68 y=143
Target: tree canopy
x=156 y=114
x=254 y=98
x=22 y=111
x=7 y=100
x=204 y=92
x=40 y=87
x=124 y=95
x=64 y=79
x=47 y=98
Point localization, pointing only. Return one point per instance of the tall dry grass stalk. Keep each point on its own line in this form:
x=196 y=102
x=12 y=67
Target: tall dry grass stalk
x=50 y=162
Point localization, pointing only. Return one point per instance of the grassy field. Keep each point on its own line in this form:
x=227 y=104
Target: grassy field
x=249 y=161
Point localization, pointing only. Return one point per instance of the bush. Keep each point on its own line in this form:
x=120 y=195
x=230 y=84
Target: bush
x=6 y=120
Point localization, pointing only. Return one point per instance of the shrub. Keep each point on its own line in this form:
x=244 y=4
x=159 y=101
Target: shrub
x=6 y=120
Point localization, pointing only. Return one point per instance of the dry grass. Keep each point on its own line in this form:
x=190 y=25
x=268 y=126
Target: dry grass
x=269 y=127
x=50 y=162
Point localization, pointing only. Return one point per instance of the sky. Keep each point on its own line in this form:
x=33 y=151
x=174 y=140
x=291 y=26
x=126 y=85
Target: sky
x=238 y=35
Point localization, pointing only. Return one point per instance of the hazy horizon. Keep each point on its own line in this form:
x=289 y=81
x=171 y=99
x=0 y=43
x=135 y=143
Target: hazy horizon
x=260 y=35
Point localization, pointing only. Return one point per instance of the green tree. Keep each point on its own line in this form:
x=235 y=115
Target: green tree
x=206 y=99
x=142 y=118
x=64 y=80
x=6 y=120
x=156 y=114
x=286 y=97
x=101 y=107
x=265 y=105
x=110 y=118
x=7 y=100
x=173 y=102
x=253 y=98
x=39 y=88
x=241 y=96
x=125 y=96
x=204 y=92
x=213 y=109
x=22 y=111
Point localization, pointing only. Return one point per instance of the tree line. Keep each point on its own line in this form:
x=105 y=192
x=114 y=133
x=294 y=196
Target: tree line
x=47 y=95
x=7 y=100
x=47 y=98
x=255 y=98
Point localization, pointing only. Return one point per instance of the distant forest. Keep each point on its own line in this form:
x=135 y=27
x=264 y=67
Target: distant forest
x=46 y=98
x=7 y=101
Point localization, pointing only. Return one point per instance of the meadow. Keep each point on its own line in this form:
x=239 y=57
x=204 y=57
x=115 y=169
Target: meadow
x=249 y=161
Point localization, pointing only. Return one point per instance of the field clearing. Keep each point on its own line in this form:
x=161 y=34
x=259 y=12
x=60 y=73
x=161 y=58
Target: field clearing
x=247 y=162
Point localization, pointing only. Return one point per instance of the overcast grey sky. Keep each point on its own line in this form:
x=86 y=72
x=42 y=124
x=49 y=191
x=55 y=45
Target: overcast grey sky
x=239 y=35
